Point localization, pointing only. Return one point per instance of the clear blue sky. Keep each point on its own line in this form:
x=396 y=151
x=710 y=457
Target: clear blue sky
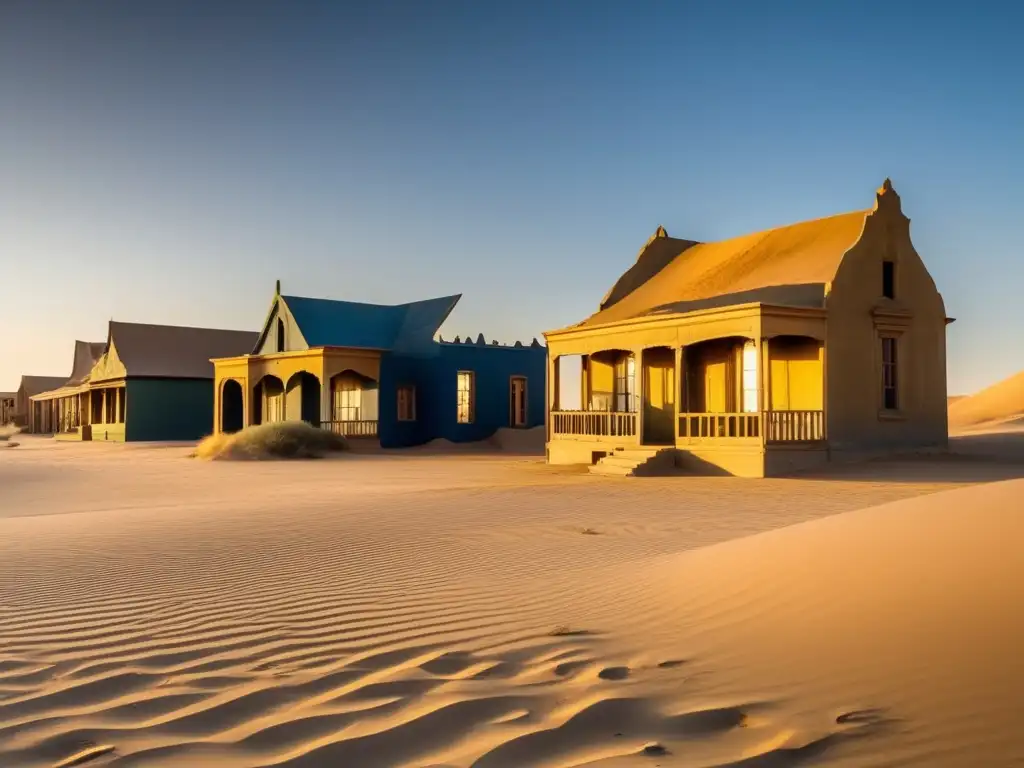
x=165 y=162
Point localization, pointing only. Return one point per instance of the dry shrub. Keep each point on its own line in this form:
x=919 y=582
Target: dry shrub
x=282 y=440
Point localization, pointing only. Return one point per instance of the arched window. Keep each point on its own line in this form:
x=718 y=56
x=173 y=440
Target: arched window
x=280 y=335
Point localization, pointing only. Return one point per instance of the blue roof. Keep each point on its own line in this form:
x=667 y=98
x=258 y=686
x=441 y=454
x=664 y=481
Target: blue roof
x=408 y=328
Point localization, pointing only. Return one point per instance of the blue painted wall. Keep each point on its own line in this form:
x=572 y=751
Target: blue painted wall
x=436 y=382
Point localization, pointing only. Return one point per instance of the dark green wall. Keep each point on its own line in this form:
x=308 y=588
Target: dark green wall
x=169 y=409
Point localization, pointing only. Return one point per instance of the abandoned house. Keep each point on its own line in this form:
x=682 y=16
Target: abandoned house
x=761 y=355
x=375 y=372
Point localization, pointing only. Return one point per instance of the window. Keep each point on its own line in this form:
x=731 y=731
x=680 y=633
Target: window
x=750 y=377
x=517 y=401
x=625 y=389
x=466 y=397
x=889 y=279
x=407 y=402
x=280 y=335
x=890 y=371
x=348 y=397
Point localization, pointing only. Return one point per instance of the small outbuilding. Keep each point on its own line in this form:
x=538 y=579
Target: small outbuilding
x=376 y=372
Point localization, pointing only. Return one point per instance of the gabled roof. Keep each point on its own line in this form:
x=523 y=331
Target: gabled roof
x=34 y=385
x=175 y=351
x=87 y=353
x=400 y=328
x=791 y=265
x=808 y=253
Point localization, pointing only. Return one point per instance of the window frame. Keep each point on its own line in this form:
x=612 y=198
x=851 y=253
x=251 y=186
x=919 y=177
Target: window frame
x=512 y=405
x=624 y=398
x=889 y=373
x=409 y=413
x=470 y=400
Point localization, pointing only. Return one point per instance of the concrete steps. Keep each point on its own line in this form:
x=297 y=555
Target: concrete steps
x=635 y=462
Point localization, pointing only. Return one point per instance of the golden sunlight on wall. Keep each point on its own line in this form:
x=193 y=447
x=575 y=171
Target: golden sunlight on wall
x=797 y=381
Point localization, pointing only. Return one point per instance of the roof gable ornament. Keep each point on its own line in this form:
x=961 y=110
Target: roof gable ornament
x=277 y=288
x=886 y=198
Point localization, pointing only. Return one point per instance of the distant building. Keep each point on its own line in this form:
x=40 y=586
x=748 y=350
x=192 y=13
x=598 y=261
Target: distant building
x=376 y=372
x=760 y=355
x=31 y=386
x=58 y=410
x=145 y=383
x=7 y=400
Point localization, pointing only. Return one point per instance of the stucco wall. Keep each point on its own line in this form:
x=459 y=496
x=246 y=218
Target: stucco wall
x=857 y=317
x=168 y=409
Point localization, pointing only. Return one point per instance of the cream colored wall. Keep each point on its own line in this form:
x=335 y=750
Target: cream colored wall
x=855 y=419
x=796 y=380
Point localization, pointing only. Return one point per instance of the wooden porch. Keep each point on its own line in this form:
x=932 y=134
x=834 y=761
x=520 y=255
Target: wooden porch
x=736 y=382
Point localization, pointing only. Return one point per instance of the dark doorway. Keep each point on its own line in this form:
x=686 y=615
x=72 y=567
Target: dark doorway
x=303 y=398
x=231 y=407
x=268 y=401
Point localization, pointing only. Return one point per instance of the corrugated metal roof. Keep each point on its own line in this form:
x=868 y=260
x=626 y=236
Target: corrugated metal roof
x=176 y=351
x=403 y=327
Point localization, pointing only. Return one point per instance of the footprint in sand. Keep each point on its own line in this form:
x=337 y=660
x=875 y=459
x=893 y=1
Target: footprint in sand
x=671 y=664
x=614 y=673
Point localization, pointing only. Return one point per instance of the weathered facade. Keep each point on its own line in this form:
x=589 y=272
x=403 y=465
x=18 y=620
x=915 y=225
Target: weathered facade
x=375 y=372
x=761 y=355
x=145 y=383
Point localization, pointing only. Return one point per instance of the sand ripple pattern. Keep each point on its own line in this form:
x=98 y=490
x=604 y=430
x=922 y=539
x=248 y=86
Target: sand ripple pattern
x=234 y=624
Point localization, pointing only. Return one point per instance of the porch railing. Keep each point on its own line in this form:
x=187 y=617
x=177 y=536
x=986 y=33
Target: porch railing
x=593 y=424
x=361 y=428
x=769 y=426
x=794 y=426
x=719 y=425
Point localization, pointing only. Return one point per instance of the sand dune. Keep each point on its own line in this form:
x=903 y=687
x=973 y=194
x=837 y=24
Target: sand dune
x=1002 y=404
x=423 y=612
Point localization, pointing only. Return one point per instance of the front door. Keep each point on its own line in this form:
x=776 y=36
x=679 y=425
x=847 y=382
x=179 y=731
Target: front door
x=716 y=386
x=517 y=401
x=659 y=383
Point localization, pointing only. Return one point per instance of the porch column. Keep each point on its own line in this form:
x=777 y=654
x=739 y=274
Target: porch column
x=585 y=382
x=638 y=388
x=218 y=388
x=764 y=384
x=551 y=385
x=679 y=393
x=246 y=403
x=325 y=401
